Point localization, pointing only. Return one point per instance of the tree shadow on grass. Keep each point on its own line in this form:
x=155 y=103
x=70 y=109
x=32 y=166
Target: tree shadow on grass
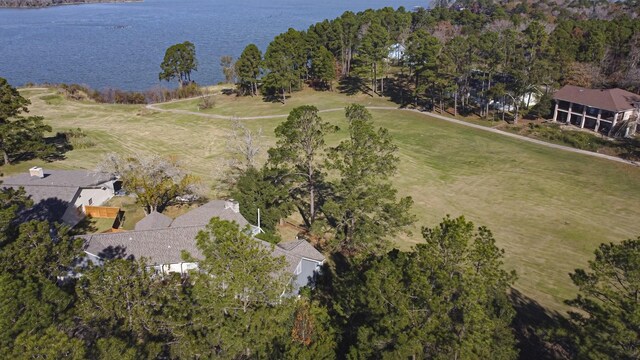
x=86 y=226
x=396 y=89
x=275 y=98
x=54 y=148
x=541 y=333
x=353 y=85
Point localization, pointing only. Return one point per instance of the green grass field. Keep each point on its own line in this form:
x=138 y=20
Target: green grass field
x=230 y=105
x=547 y=208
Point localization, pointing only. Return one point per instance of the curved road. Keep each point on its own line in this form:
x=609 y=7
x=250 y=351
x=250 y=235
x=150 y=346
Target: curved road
x=430 y=114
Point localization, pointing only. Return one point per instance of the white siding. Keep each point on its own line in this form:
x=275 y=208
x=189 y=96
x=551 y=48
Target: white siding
x=627 y=114
x=95 y=197
x=177 y=267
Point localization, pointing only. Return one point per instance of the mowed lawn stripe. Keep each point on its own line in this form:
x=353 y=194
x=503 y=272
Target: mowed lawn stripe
x=548 y=208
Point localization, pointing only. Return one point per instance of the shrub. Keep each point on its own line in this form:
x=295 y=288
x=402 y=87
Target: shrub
x=576 y=139
x=269 y=237
x=78 y=139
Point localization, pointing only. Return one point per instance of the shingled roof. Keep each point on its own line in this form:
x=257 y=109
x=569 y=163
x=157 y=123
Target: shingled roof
x=56 y=184
x=160 y=246
x=165 y=246
x=203 y=214
x=161 y=240
x=155 y=220
x=607 y=99
x=303 y=249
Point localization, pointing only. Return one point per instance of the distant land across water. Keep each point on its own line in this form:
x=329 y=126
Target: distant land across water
x=121 y=45
x=45 y=3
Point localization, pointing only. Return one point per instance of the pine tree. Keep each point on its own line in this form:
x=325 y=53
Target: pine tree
x=362 y=207
x=248 y=69
x=20 y=136
x=608 y=322
x=237 y=302
x=446 y=299
x=298 y=153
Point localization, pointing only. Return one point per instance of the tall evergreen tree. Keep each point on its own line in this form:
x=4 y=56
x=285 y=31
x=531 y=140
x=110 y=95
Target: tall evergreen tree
x=179 y=62
x=362 y=207
x=248 y=69
x=446 y=299
x=608 y=321
x=323 y=67
x=373 y=50
x=20 y=136
x=301 y=143
x=263 y=190
x=124 y=302
x=422 y=56
x=284 y=62
x=238 y=310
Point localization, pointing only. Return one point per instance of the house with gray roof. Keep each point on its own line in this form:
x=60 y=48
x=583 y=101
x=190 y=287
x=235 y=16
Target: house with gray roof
x=61 y=195
x=161 y=240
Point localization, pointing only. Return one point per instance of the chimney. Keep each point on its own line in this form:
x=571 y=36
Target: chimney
x=36 y=171
x=233 y=205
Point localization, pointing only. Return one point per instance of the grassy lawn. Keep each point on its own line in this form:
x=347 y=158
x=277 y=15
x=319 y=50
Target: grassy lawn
x=547 y=208
x=231 y=105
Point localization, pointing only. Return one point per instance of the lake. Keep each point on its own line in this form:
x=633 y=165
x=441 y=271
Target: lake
x=122 y=45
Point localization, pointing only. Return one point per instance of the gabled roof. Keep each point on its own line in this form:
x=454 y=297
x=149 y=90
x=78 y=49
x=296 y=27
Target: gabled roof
x=607 y=99
x=162 y=240
x=303 y=249
x=165 y=246
x=56 y=184
x=155 y=220
x=203 y=214
x=41 y=194
x=60 y=178
x=160 y=246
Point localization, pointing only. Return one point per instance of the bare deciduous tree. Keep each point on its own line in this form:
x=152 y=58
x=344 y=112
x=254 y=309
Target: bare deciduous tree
x=206 y=100
x=228 y=68
x=242 y=150
x=154 y=180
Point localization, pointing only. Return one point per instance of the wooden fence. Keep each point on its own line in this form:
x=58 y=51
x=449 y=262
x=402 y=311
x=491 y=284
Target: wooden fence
x=101 y=211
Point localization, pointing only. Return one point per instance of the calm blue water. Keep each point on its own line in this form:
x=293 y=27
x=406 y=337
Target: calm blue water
x=122 y=45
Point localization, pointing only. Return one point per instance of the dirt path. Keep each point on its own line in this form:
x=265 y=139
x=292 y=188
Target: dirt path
x=430 y=114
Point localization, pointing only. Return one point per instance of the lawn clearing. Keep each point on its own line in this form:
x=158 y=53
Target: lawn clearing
x=231 y=105
x=548 y=208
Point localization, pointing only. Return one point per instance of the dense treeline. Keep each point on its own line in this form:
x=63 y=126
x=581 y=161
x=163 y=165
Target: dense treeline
x=469 y=55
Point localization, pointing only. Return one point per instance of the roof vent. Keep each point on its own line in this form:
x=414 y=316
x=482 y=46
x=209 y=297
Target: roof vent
x=36 y=171
x=233 y=205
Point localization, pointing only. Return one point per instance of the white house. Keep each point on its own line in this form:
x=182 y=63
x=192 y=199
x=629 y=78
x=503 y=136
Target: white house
x=396 y=51
x=61 y=195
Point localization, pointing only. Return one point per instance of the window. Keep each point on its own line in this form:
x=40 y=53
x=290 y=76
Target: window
x=592 y=111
